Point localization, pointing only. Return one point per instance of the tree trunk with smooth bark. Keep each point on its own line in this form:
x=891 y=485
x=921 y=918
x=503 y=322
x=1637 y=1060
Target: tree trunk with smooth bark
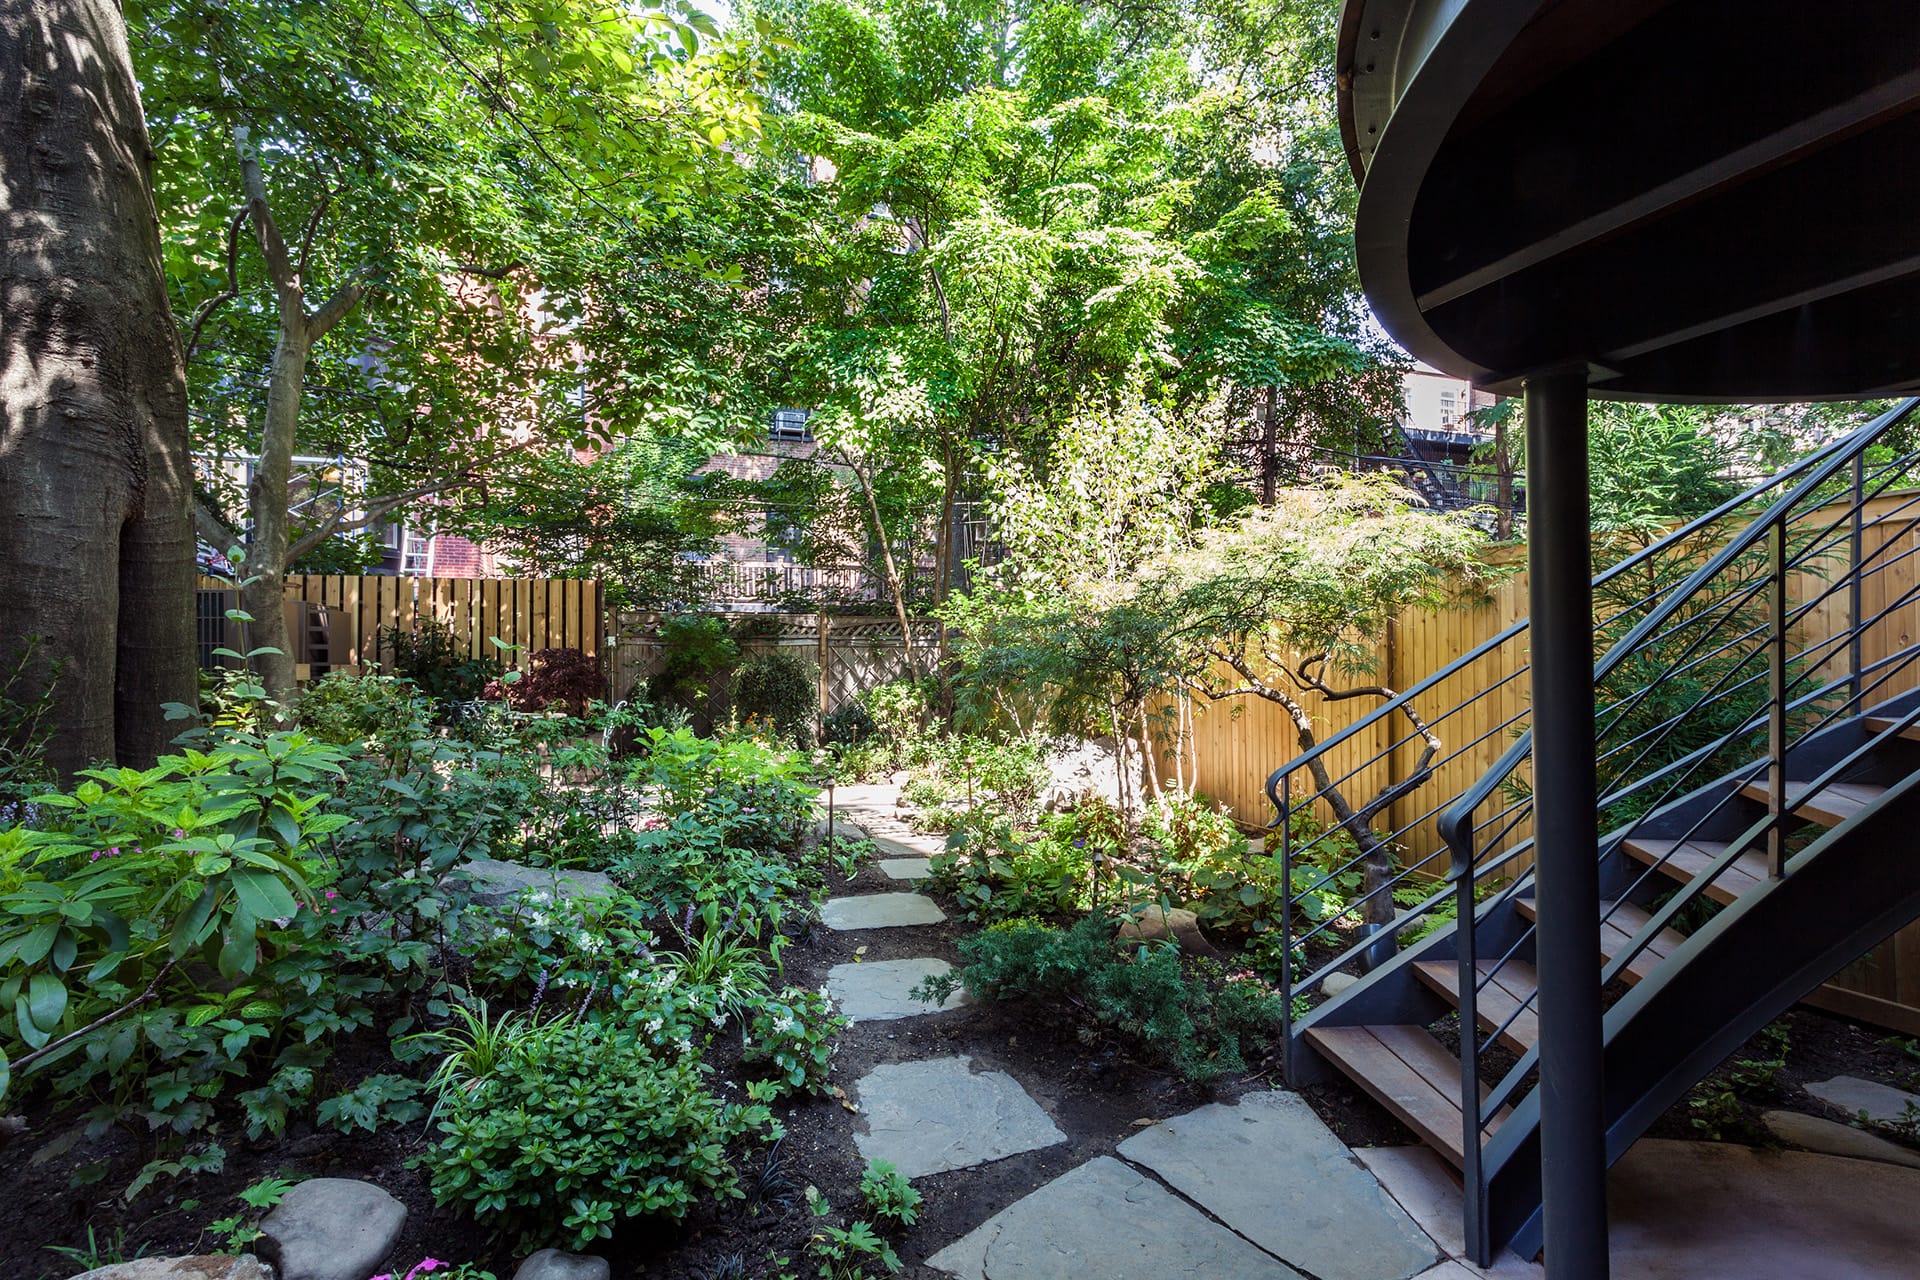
x=96 y=535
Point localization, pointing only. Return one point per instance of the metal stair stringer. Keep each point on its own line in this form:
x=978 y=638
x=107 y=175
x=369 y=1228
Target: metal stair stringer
x=1847 y=892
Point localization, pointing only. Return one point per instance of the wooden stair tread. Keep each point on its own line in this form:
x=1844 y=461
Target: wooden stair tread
x=1505 y=992
x=1408 y=1072
x=1619 y=922
x=1832 y=805
x=1880 y=724
x=1690 y=858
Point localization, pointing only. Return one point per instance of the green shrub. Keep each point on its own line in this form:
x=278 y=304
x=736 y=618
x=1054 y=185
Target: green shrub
x=582 y=1129
x=780 y=689
x=344 y=709
x=760 y=794
x=793 y=1035
x=158 y=890
x=847 y=725
x=964 y=770
x=1199 y=1022
x=437 y=664
x=900 y=711
x=997 y=873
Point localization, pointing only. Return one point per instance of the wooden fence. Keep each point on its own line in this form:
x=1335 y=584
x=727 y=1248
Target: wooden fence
x=344 y=632
x=1237 y=744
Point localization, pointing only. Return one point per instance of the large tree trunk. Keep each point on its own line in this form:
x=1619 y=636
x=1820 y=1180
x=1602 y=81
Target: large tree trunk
x=96 y=538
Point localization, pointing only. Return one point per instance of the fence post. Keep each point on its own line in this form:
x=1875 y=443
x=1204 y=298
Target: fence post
x=826 y=656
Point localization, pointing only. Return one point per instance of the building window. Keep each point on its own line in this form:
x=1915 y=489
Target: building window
x=791 y=424
x=1450 y=405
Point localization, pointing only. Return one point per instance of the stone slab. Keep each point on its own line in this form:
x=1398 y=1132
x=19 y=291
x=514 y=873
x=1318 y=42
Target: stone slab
x=909 y=846
x=877 y=990
x=880 y=911
x=1109 y=1221
x=1854 y=1095
x=1830 y=1137
x=940 y=1114
x=1270 y=1169
x=495 y=882
x=1428 y=1189
x=331 y=1229
x=905 y=868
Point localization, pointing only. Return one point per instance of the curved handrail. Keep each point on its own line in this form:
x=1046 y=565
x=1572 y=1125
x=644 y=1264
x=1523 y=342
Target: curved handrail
x=1393 y=705
x=1455 y=826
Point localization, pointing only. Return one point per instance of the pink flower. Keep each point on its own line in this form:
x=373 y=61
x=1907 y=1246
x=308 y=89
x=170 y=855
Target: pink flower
x=113 y=851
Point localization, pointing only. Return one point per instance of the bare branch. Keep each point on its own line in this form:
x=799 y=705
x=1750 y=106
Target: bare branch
x=338 y=522
x=313 y=225
x=343 y=300
x=206 y=309
x=211 y=529
x=272 y=247
x=488 y=273
x=153 y=989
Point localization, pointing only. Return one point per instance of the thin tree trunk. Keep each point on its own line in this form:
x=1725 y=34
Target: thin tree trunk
x=268 y=494
x=96 y=535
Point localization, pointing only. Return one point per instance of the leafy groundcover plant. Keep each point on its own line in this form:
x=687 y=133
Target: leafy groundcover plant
x=582 y=1128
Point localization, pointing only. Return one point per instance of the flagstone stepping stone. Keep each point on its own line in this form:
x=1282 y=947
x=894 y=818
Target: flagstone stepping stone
x=905 y=868
x=1835 y=1139
x=1854 y=1095
x=880 y=911
x=922 y=847
x=331 y=1229
x=1105 y=1220
x=876 y=990
x=1270 y=1169
x=940 y=1114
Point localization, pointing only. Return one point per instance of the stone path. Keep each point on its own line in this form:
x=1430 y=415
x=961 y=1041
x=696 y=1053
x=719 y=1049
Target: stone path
x=1259 y=1189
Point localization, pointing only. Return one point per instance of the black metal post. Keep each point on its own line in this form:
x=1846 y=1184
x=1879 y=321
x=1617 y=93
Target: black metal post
x=1567 y=873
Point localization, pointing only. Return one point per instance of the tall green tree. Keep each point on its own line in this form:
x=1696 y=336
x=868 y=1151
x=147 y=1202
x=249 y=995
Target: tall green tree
x=1010 y=213
x=386 y=218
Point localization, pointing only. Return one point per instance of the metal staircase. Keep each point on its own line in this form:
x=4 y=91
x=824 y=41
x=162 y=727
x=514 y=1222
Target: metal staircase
x=1758 y=746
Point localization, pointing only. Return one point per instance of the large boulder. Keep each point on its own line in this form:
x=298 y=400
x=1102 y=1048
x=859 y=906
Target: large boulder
x=1082 y=767
x=494 y=882
x=1155 y=924
x=219 y=1266
x=331 y=1229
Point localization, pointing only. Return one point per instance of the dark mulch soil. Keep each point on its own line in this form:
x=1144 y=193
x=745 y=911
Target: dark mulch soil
x=1093 y=1088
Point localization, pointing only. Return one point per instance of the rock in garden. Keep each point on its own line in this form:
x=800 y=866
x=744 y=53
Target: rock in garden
x=222 y=1266
x=1078 y=767
x=331 y=1229
x=494 y=882
x=1831 y=1138
x=553 y=1264
x=842 y=829
x=1183 y=926
x=1853 y=1095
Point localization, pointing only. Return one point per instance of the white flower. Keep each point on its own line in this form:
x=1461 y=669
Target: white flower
x=783 y=1023
x=719 y=1018
x=655 y=1023
x=684 y=1045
